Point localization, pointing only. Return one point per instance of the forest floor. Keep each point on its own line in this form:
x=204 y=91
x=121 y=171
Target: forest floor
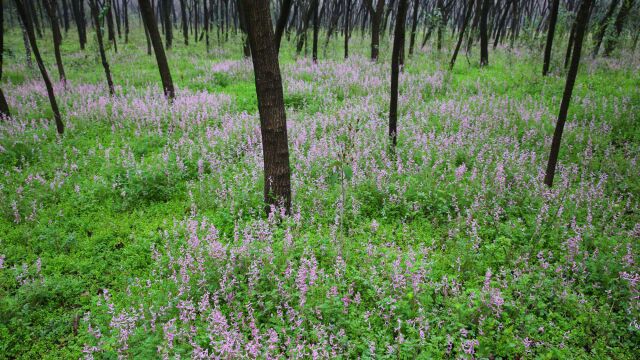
x=140 y=233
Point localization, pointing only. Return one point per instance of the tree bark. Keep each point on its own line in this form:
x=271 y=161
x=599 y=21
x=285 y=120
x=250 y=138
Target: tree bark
x=602 y=27
x=50 y=8
x=398 y=41
x=484 y=36
x=553 y=18
x=273 y=123
x=103 y=56
x=347 y=33
x=376 y=18
x=414 y=26
x=26 y=20
x=465 y=22
x=4 y=106
x=163 y=66
x=581 y=26
x=625 y=9
x=78 y=13
x=316 y=30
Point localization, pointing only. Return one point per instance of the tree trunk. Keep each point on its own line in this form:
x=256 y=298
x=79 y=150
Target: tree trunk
x=285 y=9
x=376 y=18
x=316 y=30
x=484 y=36
x=26 y=20
x=465 y=22
x=625 y=9
x=347 y=33
x=414 y=26
x=602 y=27
x=110 y=27
x=125 y=5
x=581 y=26
x=398 y=41
x=103 y=56
x=166 y=18
x=65 y=16
x=553 y=18
x=78 y=13
x=185 y=25
x=4 y=106
x=50 y=7
x=150 y=22
x=273 y=123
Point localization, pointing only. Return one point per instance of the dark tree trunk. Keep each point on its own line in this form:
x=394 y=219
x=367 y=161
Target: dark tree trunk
x=27 y=47
x=572 y=36
x=414 y=25
x=4 y=106
x=484 y=36
x=50 y=7
x=166 y=18
x=26 y=20
x=553 y=18
x=602 y=27
x=195 y=20
x=146 y=34
x=31 y=10
x=150 y=22
x=78 y=13
x=116 y=12
x=376 y=19
x=273 y=123
x=283 y=18
x=316 y=30
x=625 y=9
x=581 y=26
x=206 y=23
x=347 y=33
x=65 y=16
x=125 y=5
x=110 y=27
x=465 y=22
x=103 y=57
x=185 y=25
x=398 y=41
x=501 y=24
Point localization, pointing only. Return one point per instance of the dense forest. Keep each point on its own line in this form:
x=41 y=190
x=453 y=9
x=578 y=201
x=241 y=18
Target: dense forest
x=356 y=179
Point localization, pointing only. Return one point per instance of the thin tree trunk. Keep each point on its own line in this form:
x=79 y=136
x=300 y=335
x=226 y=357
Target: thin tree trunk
x=168 y=28
x=110 y=27
x=103 y=56
x=26 y=20
x=4 y=106
x=602 y=28
x=398 y=41
x=625 y=9
x=185 y=25
x=163 y=66
x=273 y=123
x=78 y=13
x=465 y=22
x=57 y=36
x=316 y=30
x=553 y=17
x=484 y=36
x=285 y=9
x=347 y=33
x=581 y=26
x=125 y=5
x=414 y=26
